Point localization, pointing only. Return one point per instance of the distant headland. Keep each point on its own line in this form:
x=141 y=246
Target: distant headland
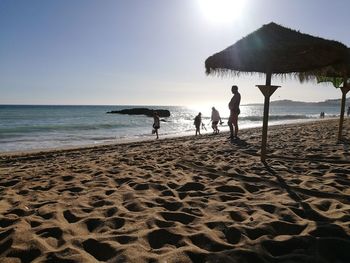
x=330 y=102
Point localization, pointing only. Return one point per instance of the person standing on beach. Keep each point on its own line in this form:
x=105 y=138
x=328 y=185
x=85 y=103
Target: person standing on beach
x=156 y=123
x=215 y=118
x=234 y=112
x=197 y=123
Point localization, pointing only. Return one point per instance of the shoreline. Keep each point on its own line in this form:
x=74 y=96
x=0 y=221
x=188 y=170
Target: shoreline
x=141 y=140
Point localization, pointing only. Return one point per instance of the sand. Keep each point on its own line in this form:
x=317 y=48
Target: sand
x=189 y=199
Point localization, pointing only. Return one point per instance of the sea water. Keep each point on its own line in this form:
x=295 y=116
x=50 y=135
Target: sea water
x=33 y=127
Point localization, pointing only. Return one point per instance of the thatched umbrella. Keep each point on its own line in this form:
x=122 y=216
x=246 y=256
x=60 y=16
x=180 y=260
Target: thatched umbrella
x=273 y=49
x=337 y=74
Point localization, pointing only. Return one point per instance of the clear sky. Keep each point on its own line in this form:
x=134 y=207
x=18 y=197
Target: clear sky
x=147 y=52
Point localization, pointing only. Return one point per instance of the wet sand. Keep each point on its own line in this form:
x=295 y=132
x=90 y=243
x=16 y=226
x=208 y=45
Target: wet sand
x=189 y=199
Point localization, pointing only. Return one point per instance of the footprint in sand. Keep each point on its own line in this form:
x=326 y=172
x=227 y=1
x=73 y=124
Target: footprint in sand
x=6 y=245
x=191 y=186
x=282 y=248
x=133 y=206
x=141 y=187
x=25 y=256
x=20 y=212
x=125 y=239
x=5 y=222
x=67 y=178
x=169 y=205
x=205 y=242
x=93 y=223
x=34 y=223
x=110 y=211
x=160 y=237
x=115 y=222
x=109 y=192
x=100 y=203
x=53 y=235
x=9 y=183
x=167 y=193
x=178 y=217
x=99 y=250
x=230 y=189
x=70 y=217
x=329 y=230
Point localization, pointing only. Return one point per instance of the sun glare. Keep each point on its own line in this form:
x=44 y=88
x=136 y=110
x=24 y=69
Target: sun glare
x=222 y=11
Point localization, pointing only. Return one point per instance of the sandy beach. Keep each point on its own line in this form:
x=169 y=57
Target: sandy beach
x=188 y=199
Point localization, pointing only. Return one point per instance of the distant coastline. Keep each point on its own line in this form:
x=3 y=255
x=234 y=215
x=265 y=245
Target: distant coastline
x=330 y=102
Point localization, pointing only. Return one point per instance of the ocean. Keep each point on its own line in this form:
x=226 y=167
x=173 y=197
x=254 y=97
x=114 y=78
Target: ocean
x=33 y=127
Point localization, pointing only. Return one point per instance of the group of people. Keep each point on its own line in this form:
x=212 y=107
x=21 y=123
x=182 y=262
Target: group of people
x=215 y=117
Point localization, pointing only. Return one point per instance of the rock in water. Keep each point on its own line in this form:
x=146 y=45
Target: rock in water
x=142 y=111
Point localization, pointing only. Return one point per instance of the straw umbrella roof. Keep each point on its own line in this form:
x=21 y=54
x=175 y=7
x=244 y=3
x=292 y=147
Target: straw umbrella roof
x=336 y=74
x=275 y=49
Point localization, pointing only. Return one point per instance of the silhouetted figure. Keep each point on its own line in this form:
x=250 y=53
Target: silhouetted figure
x=215 y=119
x=322 y=114
x=348 y=112
x=197 y=123
x=156 y=124
x=234 y=112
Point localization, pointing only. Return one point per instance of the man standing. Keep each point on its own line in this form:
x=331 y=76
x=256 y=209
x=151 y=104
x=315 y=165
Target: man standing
x=234 y=112
x=215 y=118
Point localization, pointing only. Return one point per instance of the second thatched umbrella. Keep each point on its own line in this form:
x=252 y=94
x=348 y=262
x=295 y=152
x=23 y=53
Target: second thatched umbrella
x=273 y=49
x=337 y=74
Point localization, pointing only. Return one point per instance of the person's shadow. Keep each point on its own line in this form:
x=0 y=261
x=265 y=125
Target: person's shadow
x=344 y=141
x=238 y=142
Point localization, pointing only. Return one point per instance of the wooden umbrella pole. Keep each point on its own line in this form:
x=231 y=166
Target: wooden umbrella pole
x=345 y=89
x=266 y=119
x=267 y=90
